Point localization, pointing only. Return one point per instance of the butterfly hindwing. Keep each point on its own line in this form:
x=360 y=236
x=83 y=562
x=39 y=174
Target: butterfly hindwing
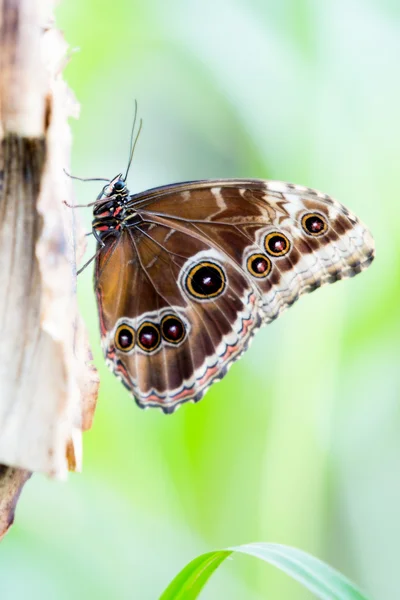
x=196 y=337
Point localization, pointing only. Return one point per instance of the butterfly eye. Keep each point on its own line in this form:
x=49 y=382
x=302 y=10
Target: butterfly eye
x=119 y=185
x=259 y=265
x=148 y=336
x=125 y=338
x=277 y=244
x=205 y=280
x=314 y=224
x=172 y=329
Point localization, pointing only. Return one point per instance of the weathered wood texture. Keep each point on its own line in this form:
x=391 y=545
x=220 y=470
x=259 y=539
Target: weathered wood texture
x=47 y=384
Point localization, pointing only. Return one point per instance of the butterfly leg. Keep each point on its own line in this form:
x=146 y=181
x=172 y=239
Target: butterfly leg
x=101 y=244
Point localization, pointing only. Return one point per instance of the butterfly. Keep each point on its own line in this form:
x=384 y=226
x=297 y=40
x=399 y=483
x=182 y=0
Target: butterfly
x=185 y=274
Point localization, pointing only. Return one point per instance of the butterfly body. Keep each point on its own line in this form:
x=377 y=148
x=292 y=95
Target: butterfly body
x=186 y=273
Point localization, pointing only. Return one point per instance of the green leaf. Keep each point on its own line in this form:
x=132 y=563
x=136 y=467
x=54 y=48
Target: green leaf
x=316 y=576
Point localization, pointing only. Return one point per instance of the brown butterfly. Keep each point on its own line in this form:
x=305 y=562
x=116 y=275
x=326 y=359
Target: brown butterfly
x=185 y=274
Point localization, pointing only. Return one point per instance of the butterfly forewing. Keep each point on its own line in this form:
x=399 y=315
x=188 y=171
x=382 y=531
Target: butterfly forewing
x=197 y=267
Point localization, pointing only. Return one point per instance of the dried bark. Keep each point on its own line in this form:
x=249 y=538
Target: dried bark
x=48 y=387
x=11 y=483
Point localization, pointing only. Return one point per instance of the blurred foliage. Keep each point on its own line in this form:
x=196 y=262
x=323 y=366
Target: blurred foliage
x=300 y=443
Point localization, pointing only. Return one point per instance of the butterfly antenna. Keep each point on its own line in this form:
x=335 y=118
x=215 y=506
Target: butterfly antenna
x=132 y=142
x=85 y=178
x=133 y=129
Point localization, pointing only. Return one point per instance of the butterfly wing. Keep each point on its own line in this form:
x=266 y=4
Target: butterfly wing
x=238 y=215
x=181 y=293
x=168 y=345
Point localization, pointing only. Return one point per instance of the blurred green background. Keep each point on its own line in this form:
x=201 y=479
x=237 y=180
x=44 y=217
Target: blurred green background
x=300 y=443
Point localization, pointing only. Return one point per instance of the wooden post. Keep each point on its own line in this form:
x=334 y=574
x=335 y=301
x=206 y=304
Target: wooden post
x=48 y=387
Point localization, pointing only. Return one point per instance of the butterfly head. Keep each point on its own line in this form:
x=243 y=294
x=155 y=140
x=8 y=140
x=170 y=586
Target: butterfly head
x=116 y=187
x=113 y=196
